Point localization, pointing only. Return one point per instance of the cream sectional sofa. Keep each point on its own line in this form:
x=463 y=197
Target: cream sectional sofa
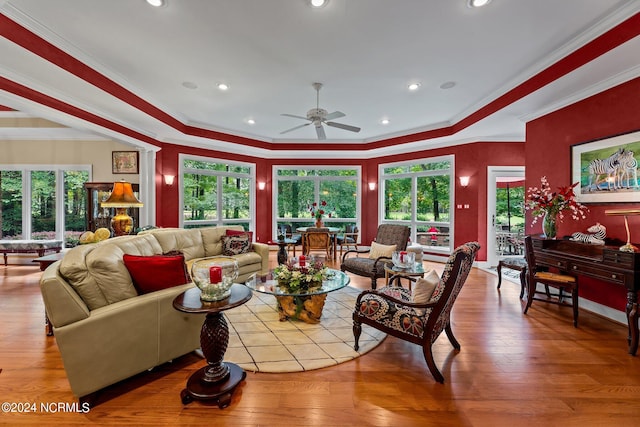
x=105 y=331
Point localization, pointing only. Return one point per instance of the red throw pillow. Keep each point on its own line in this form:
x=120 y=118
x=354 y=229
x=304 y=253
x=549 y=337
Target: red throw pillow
x=238 y=232
x=156 y=272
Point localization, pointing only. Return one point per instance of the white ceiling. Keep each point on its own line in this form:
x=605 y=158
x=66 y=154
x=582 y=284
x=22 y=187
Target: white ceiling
x=365 y=52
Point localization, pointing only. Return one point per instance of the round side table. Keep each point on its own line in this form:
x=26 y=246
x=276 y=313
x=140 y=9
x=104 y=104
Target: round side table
x=218 y=379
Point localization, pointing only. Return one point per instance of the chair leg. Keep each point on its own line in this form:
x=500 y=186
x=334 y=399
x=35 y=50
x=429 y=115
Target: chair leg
x=531 y=290
x=452 y=339
x=428 y=357
x=357 y=330
x=574 y=297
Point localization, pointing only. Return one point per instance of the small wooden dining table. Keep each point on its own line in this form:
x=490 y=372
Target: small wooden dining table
x=333 y=231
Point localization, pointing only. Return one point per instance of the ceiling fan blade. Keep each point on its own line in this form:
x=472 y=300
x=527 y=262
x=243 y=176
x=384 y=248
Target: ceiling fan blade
x=342 y=126
x=334 y=115
x=320 y=132
x=294 y=116
x=294 y=128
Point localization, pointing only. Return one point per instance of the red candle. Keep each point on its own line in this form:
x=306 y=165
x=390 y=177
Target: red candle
x=215 y=274
x=403 y=255
x=302 y=261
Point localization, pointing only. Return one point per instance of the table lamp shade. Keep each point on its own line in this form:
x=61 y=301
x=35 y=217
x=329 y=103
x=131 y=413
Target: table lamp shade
x=121 y=198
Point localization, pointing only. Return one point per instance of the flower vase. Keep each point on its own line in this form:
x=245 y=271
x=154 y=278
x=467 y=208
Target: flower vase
x=549 y=226
x=319 y=223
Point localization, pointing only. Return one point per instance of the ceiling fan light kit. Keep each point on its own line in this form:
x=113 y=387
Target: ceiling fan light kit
x=319 y=116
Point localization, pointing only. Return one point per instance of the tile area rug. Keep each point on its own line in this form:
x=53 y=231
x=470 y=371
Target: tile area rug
x=260 y=342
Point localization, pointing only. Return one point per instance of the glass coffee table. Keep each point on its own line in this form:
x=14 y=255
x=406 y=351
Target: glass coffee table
x=305 y=305
x=394 y=273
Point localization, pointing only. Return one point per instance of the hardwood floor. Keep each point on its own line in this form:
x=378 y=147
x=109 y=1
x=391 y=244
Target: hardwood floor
x=512 y=370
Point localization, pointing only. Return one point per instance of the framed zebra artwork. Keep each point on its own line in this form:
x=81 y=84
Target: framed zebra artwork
x=607 y=169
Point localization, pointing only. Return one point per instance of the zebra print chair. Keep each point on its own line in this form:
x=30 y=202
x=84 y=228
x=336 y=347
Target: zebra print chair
x=561 y=282
x=390 y=309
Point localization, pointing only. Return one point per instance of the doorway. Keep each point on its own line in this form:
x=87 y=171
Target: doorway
x=505 y=212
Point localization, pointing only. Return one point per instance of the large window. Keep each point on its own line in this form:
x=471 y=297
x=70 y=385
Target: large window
x=420 y=194
x=217 y=192
x=43 y=202
x=298 y=188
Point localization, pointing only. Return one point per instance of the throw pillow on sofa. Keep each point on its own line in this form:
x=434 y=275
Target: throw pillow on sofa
x=235 y=245
x=240 y=233
x=156 y=272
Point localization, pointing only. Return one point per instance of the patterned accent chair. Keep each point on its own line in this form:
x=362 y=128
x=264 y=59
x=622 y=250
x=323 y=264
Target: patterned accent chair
x=388 y=234
x=390 y=309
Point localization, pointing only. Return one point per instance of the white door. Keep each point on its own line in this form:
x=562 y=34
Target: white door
x=494 y=175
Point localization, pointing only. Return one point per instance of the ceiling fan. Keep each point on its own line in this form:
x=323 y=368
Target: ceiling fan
x=317 y=116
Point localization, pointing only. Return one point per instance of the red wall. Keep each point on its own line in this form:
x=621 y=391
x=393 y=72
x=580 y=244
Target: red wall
x=470 y=159
x=548 y=153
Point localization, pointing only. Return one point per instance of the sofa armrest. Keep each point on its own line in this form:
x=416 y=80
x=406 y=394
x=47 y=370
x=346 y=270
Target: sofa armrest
x=262 y=250
x=62 y=303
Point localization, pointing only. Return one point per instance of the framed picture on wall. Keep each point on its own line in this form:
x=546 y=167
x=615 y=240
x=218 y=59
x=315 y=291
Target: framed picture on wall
x=124 y=162
x=607 y=169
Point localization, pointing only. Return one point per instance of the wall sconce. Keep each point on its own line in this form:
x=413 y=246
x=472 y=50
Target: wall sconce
x=168 y=179
x=372 y=186
x=262 y=185
x=464 y=181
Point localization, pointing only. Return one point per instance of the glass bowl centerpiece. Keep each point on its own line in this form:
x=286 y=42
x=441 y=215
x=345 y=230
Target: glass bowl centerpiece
x=214 y=277
x=300 y=275
x=403 y=259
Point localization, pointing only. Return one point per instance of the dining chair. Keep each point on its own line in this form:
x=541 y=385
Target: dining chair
x=348 y=239
x=317 y=239
x=561 y=282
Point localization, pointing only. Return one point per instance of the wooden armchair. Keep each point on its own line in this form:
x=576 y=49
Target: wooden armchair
x=391 y=310
x=373 y=265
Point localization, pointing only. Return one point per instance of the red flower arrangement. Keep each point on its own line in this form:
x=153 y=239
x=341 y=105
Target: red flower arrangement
x=542 y=201
x=318 y=211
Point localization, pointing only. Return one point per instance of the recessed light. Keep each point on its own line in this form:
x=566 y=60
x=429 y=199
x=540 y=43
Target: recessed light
x=413 y=86
x=447 y=85
x=157 y=3
x=318 y=3
x=478 y=3
x=384 y=121
x=251 y=121
x=190 y=85
x=223 y=86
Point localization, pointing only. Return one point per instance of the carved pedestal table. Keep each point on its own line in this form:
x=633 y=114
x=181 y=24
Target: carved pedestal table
x=218 y=379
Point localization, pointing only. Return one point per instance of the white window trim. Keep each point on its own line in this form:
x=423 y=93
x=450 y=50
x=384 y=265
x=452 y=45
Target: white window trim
x=317 y=180
x=218 y=222
x=59 y=170
x=413 y=175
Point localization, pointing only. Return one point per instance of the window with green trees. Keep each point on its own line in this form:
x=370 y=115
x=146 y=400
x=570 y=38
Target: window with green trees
x=334 y=189
x=419 y=194
x=217 y=192
x=46 y=202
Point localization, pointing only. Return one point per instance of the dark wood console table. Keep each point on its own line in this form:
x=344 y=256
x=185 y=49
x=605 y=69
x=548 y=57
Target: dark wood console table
x=604 y=263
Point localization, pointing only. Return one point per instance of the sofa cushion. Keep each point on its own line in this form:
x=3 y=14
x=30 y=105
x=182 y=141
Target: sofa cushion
x=187 y=241
x=235 y=245
x=97 y=272
x=152 y=273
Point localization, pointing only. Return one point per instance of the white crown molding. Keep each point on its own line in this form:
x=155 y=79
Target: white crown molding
x=594 y=31
x=585 y=93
